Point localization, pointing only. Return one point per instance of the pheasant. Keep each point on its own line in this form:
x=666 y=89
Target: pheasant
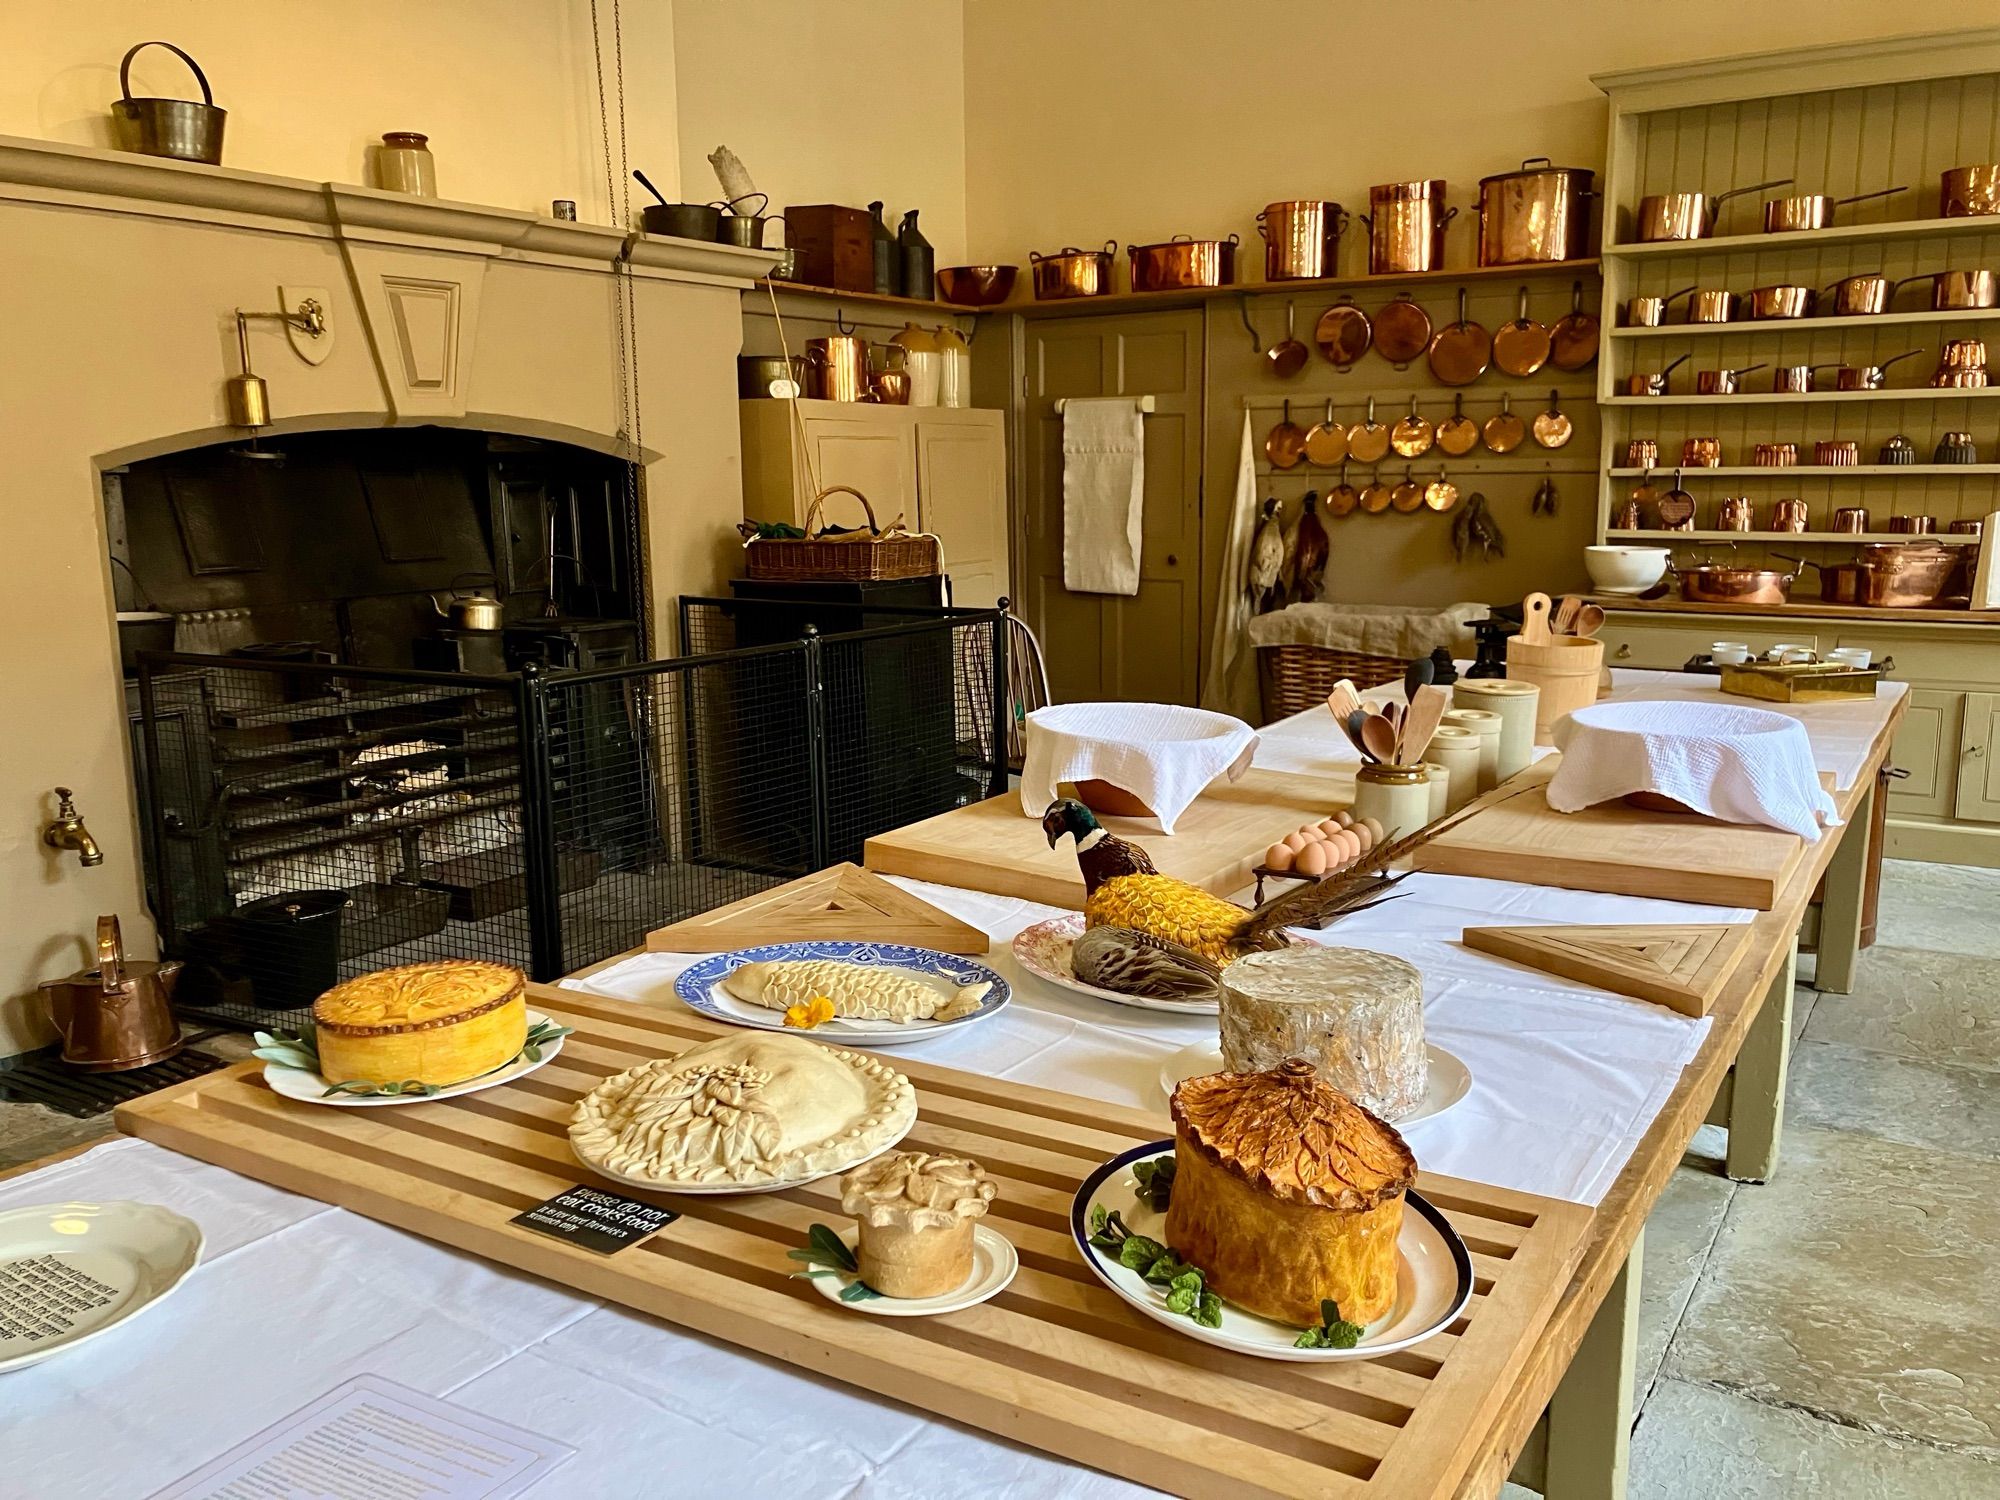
x=1123 y=888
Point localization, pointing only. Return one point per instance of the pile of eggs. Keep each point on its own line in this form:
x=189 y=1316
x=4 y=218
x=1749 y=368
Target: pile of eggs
x=1325 y=847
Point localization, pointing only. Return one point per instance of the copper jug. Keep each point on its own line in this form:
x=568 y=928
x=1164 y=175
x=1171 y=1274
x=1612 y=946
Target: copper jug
x=116 y=1016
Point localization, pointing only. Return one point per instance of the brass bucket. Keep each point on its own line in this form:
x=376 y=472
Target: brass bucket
x=178 y=128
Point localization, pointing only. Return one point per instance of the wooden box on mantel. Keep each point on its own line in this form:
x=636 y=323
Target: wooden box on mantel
x=836 y=245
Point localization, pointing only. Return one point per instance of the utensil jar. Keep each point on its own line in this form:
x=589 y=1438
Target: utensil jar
x=1406 y=223
x=1397 y=797
x=1301 y=238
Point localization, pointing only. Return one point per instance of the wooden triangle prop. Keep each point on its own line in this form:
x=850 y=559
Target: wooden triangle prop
x=1682 y=966
x=842 y=901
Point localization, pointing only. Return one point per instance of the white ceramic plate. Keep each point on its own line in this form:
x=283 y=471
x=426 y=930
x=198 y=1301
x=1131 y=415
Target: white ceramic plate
x=111 y=1261
x=310 y=1088
x=699 y=989
x=1448 y=1079
x=993 y=1266
x=716 y=1190
x=1044 y=951
x=1433 y=1277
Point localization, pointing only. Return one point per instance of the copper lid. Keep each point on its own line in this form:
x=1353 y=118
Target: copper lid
x=1294 y=1137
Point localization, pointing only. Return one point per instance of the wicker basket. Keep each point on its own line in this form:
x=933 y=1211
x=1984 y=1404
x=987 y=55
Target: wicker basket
x=1295 y=678
x=854 y=557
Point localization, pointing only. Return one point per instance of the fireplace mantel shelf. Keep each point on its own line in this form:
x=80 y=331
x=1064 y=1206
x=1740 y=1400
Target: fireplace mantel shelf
x=122 y=181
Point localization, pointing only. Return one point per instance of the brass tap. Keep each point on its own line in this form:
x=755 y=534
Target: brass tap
x=68 y=832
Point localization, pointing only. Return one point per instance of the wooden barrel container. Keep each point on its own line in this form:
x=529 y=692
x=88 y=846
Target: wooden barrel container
x=1565 y=668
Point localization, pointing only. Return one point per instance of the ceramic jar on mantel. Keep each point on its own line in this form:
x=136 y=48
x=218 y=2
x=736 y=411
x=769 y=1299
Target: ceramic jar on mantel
x=404 y=164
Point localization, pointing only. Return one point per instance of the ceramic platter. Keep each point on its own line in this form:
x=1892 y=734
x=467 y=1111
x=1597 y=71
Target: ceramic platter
x=108 y=1262
x=698 y=986
x=310 y=1088
x=1044 y=951
x=993 y=1266
x=723 y=1189
x=1433 y=1277
x=1449 y=1079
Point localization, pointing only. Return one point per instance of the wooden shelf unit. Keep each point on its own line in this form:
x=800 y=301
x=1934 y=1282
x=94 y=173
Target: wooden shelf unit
x=1815 y=471
x=1882 y=232
x=1949 y=539
x=866 y=299
x=1921 y=393
x=1923 y=319
x=1573 y=270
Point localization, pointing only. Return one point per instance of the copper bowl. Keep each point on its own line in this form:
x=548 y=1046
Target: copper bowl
x=976 y=286
x=1905 y=575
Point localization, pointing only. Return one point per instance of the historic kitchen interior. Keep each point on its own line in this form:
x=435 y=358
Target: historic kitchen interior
x=1025 y=815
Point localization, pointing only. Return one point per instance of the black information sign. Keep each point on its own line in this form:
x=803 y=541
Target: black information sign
x=596 y=1219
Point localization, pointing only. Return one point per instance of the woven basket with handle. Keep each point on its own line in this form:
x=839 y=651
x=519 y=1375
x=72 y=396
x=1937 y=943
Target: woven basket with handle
x=850 y=557
x=1295 y=678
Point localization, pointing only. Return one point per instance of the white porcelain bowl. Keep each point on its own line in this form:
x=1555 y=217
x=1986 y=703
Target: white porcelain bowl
x=1625 y=570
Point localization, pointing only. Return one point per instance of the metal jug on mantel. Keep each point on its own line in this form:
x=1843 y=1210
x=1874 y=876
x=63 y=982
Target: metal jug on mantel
x=118 y=1015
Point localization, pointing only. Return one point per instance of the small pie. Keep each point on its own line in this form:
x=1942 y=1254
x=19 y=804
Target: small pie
x=435 y=1023
x=916 y=1214
x=747 y=1111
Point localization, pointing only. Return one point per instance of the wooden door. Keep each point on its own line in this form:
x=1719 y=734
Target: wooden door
x=1979 y=759
x=962 y=497
x=1145 y=646
x=870 y=450
x=1926 y=746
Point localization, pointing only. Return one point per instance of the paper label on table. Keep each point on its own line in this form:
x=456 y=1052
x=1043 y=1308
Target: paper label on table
x=595 y=1219
x=373 y=1438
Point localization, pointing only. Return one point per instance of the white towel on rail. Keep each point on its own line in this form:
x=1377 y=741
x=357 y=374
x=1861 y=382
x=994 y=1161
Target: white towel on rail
x=1104 y=491
x=1229 y=686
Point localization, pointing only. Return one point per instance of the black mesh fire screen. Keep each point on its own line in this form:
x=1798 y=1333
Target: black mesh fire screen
x=308 y=822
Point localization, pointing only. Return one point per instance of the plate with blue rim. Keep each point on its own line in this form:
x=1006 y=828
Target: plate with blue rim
x=1433 y=1273
x=699 y=985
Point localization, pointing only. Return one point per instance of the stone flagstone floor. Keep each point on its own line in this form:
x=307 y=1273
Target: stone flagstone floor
x=1834 y=1333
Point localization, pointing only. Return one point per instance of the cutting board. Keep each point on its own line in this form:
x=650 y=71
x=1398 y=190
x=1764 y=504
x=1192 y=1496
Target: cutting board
x=841 y=901
x=1613 y=848
x=1683 y=967
x=993 y=846
x=1056 y=1361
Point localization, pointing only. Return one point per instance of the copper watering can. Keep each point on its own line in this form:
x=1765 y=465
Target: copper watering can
x=116 y=1016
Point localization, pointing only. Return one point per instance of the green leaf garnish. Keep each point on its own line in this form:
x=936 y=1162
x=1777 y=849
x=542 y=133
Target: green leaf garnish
x=1333 y=1332
x=1182 y=1301
x=1155 y=1181
x=830 y=1249
x=1138 y=1252
x=857 y=1291
x=1209 y=1311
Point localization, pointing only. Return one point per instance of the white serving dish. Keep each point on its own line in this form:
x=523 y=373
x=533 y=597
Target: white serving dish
x=310 y=1088
x=1625 y=570
x=993 y=1266
x=116 y=1260
x=1446 y=1079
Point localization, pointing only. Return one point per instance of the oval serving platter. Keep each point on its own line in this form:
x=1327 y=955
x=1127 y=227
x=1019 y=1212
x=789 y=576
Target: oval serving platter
x=697 y=986
x=309 y=1087
x=1433 y=1275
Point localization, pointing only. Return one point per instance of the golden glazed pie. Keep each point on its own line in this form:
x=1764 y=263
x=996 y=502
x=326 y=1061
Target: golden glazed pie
x=437 y=1023
x=1286 y=1192
x=916 y=1214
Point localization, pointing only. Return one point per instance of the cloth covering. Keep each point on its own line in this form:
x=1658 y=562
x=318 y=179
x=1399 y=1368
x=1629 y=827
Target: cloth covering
x=1229 y=686
x=1104 y=492
x=1743 y=765
x=1162 y=753
x=1375 y=629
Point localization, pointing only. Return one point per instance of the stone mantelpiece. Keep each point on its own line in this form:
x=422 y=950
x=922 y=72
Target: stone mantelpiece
x=119 y=279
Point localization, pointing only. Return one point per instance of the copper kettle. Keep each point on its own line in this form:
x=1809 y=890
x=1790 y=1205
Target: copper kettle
x=116 y=1016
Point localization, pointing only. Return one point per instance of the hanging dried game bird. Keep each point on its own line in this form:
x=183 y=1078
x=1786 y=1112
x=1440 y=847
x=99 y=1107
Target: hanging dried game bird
x=1475 y=527
x=1267 y=560
x=1309 y=566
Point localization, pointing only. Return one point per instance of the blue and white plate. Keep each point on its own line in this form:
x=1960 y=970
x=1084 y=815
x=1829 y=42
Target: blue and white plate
x=698 y=986
x=1433 y=1274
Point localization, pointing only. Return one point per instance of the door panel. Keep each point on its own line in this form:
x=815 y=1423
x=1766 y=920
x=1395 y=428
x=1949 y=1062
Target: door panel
x=882 y=464
x=1979 y=759
x=962 y=486
x=1926 y=746
x=1145 y=646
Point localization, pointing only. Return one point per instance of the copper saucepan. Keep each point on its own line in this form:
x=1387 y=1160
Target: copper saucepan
x=1651 y=312
x=1712 y=305
x=1722 y=382
x=1689 y=216
x=1071 y=272
x=1867 y=294
x=1969 y=191
x=1768 y=302
x=1796 y=379
x=1654 y=384
x=1868 y=377
x=1181 y=263
x=1961 y=290
x=1811 y=210
x=1710 y=584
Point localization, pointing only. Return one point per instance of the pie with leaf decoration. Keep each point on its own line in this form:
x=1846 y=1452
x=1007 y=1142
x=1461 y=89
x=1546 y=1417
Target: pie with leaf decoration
x=436 y=1023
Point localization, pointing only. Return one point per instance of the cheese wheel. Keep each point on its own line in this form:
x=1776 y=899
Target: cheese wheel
x=1357 y=1016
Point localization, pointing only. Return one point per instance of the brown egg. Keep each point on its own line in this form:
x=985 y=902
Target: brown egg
x=1312 y=860
x=1349 y=847
x=1374 y=831
x=1296 y=841
x=1329 y=828
x=1362 y=837
x=1344 y=818
x=1313 y=833
x=1278 y=857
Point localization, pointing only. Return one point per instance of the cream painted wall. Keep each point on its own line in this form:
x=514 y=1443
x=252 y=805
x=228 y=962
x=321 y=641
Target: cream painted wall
x=1083 y=123
x=830 y=101
x=506 y=89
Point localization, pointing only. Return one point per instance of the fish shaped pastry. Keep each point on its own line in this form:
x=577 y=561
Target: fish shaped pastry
x=858 y=992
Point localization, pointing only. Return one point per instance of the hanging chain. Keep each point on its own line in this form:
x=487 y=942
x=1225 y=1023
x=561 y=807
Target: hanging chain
x=618 y=200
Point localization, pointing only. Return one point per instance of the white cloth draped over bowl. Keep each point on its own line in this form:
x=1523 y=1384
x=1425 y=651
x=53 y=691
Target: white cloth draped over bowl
x=1162 y=753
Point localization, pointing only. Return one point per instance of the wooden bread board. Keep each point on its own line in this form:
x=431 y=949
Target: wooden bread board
x=1056 y=1361
x=1681 y=966
x=994 y=846
x=1614 y=848
x=841 y=901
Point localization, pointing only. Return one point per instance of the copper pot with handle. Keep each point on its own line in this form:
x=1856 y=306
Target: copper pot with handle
x=1970 y=191
x=1071 y=272
x=1708 y=583
x=1764 y=303
x=1539 y=214
x=1406 y=223
x=1958 y=291
x=1301 y=238
x=1181 y=263
x=1866 y=295
x=837 y=368
x=118 y=1015
x=1812 y=210
x=1651 y=312
x=1689 y=216
x=1711 y=305
x=1722 y=382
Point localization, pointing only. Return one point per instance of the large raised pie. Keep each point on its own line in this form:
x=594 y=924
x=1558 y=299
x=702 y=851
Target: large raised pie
x=1287 y=1193
x=743 y=1111
x=435 y=1023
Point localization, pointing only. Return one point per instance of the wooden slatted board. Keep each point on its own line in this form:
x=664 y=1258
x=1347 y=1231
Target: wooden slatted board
x=994 y=846
x=1056 y=1360
x=1614 y=848
x=841 y=901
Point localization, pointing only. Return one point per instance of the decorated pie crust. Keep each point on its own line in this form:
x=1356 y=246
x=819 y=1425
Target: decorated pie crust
x=743 y=1111
x=435 y=1023
x=916 y=1214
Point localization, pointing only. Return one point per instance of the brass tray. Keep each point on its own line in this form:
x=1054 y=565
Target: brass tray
x=1800 y=682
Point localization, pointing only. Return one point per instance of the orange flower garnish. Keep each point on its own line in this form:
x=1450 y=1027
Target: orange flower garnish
x=809 y=1014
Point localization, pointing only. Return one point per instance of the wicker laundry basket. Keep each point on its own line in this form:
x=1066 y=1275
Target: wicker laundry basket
x=1295 y=678
x=1304 y=649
